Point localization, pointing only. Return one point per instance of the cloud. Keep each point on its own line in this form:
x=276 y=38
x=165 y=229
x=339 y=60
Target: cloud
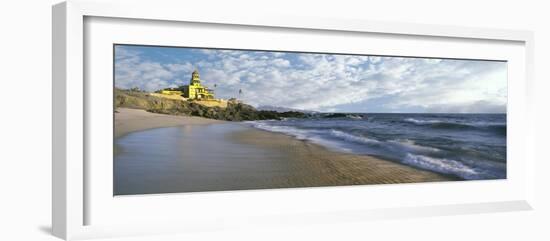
x=325 y=82
x=132 y=70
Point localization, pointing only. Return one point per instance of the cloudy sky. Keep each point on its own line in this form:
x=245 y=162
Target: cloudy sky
x=322 y=82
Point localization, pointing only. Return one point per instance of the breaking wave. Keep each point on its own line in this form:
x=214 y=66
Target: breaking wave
x=466 y=146
x=441 y=165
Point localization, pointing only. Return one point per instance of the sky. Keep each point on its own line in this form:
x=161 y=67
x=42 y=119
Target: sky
x=321 y=82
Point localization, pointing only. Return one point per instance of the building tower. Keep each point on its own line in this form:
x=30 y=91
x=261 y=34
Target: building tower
x=195 y=78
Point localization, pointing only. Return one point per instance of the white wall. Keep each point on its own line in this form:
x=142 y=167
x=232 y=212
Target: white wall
x=25 y=120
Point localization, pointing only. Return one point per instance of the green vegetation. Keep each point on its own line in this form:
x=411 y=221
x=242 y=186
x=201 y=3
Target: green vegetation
x=235 y=110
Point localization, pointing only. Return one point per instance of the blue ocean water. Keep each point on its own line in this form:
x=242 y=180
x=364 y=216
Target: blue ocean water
x=469 y=146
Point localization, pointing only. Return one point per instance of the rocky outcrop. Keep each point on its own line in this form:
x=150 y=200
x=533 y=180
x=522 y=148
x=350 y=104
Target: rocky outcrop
x=235 y=111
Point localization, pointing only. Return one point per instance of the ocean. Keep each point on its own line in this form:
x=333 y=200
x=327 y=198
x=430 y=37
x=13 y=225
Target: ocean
x=468 y=146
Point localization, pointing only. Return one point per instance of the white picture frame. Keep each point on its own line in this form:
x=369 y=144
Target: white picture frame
x=71 y=113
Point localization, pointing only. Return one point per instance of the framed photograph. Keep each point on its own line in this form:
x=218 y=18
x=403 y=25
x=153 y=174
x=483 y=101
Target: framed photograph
x=180 y=123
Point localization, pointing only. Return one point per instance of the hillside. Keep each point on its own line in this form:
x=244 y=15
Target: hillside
x=235 y=111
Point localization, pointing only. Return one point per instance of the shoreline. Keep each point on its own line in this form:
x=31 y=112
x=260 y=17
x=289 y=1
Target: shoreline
x=334 y=168
x=232 y=156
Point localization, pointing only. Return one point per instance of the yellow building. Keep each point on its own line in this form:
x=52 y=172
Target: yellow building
x=171 y=92
x=195 y=90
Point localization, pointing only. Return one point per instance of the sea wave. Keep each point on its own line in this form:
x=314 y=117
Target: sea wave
x=496 y=127
x=412 y=146
x=467 y=146
x=442 y=165
x=301 y=134
x=320 y=136
x=343 y=115
x=289 y=130
x=354 y=138
x=416 y=121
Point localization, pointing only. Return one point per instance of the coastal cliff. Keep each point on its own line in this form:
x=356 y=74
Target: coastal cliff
x=235 y=111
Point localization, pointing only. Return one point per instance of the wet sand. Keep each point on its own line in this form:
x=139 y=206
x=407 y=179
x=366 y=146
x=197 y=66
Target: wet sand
x=319 y=166
x=195 y=154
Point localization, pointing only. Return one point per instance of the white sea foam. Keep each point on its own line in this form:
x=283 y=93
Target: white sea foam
x=441 y=165
x=416 y=121
x=474 y=124
x=292 y=131
x=354 y=138
x=300 y=134
x=411 y=145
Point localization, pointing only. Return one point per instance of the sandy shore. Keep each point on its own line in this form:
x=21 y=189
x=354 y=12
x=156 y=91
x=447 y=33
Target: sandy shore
x=322 y=167
x=130 y=120
x=197 y=156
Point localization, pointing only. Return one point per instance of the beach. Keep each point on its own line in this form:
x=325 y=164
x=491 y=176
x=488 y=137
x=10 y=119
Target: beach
x=130 y=120
x=319 y=166
x=168 y=154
